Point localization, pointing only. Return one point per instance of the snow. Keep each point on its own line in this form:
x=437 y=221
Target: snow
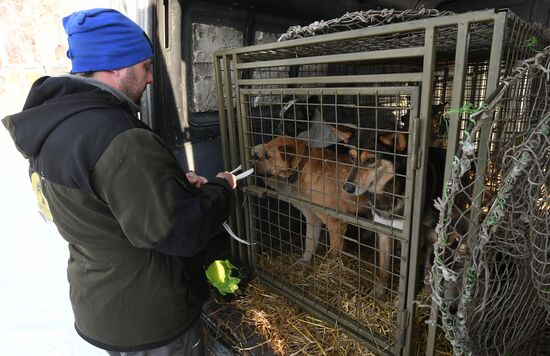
x=36 y=318
x=35 y=312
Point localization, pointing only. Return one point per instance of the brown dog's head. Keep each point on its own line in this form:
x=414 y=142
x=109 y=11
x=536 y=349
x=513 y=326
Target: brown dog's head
x=278 y=157
x=374 y=156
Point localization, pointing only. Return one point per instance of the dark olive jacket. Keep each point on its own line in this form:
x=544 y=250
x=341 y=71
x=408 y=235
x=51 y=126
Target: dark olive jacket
x=135 y=225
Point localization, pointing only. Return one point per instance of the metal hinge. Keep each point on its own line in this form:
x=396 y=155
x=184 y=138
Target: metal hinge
x=403 y=320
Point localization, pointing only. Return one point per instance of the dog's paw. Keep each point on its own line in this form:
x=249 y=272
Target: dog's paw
x=380 y=291
x=305 y=260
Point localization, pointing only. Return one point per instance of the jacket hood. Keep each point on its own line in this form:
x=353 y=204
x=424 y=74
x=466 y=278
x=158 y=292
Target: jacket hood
x=51 y=101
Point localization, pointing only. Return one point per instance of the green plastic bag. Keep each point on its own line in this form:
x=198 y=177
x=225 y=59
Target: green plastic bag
x=219 y=275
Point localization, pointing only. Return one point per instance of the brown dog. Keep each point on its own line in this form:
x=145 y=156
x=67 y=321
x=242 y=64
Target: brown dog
x=315 y=175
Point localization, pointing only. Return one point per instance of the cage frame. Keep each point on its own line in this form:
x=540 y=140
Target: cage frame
x=230 y=83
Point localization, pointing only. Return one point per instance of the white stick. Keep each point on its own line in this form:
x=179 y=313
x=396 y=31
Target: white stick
x=236 y=170
x=232 y=234
x=245 y=174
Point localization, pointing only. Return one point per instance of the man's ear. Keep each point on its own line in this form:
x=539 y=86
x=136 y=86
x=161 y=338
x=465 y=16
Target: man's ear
x=397 y=140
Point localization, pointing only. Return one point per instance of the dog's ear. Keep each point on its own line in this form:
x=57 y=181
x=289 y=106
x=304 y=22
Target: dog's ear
x=342 y=132
x=397 y=140
x=292 y=151
x=288 y=153
x=306 y=107
x=312 y=105
x=288 y=149
x=287 y=98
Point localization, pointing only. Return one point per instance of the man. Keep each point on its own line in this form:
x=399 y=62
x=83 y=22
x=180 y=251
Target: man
x=135 y=223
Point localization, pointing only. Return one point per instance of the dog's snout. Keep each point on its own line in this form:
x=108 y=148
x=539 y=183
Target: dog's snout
x=349 y=187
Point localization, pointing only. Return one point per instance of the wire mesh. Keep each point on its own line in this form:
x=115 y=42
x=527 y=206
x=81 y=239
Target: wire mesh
x=491 y=276
x=292 y=203
x=360 y=19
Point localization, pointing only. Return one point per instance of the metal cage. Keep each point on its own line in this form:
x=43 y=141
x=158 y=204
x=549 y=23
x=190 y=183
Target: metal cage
x=357 y=81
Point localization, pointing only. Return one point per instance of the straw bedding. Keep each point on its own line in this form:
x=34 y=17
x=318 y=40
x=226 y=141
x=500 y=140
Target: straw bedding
x=288 y=330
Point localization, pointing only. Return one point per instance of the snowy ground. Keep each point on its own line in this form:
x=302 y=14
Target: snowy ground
x=35 y=312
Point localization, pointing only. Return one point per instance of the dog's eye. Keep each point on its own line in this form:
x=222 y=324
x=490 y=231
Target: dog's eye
x=266 y=155
x=370 y=161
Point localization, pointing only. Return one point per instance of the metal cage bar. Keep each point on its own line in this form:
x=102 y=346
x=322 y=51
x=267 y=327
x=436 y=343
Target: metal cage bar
x=420 y=173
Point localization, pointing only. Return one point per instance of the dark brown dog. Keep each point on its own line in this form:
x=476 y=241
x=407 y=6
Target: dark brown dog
x=378 y=173
x=385 y=151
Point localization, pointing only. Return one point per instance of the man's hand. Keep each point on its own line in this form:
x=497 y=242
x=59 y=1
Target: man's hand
x=196 y=180
x=230 y=178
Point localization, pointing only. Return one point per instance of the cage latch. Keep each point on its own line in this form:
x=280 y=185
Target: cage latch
x=404 y=316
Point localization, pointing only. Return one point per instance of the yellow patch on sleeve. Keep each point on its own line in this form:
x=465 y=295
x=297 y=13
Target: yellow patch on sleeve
x=43 y=207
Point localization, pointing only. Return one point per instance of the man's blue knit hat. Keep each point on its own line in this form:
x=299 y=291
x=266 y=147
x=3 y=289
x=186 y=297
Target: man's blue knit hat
x=104 y=39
